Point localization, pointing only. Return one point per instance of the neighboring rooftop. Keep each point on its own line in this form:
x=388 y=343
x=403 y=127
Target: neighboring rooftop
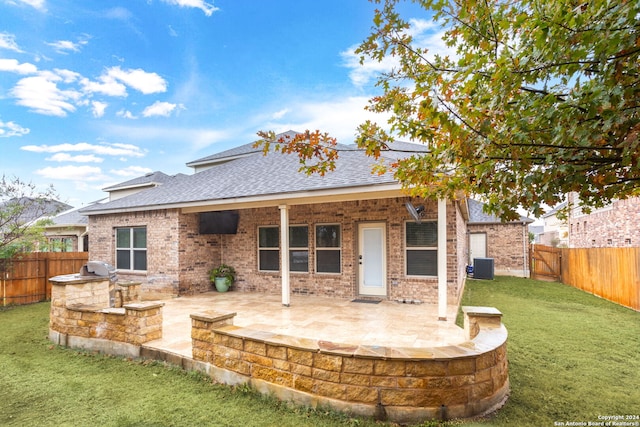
x=34 y=209
x=477 y=215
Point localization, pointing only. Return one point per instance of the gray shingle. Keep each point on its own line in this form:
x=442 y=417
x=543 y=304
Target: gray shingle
x=150 y=178
x=252 y=176
x=478 y=216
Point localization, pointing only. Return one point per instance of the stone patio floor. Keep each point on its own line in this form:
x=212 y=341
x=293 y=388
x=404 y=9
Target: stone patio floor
x=388 y=323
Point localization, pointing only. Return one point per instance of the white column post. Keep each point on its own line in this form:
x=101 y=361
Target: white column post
x=442 y=259
x=284 y=254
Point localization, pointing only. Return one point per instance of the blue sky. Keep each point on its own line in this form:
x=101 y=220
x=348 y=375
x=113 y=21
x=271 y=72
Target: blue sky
x=97 y=92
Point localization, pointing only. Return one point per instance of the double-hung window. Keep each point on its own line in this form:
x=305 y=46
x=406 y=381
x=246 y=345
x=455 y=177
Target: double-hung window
x=421 y=247
x=131 y=248
x=328 y=248
x=299 y=248
x=269 y=248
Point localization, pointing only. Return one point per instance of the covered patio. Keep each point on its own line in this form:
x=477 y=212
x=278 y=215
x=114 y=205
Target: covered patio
x=341 y=321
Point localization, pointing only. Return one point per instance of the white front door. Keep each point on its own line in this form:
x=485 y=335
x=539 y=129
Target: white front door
x=372 y=259
x=477 y=246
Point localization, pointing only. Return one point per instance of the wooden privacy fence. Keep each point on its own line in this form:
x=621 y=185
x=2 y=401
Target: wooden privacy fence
x=25 y=279
x=610 y=273
x=545 y=263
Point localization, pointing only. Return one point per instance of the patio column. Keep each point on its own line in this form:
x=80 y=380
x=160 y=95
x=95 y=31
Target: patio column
x=284 y=254
x=442 y=259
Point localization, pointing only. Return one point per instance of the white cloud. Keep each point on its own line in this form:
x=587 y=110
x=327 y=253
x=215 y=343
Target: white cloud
x=207 y=8
x=339 y=117
x=9 y=129
x=280 y=114
x=73 y=173
x=13 y=66
x=64 y=157
x=119 y=13
x=126 y=114
x=131 y=171
x=42 y=95
x=138 y=79
x=106 y=86
x=98 y=108
x=426 y=35
x=8 y=41
x=67 y=76
x=159 y=108
x=66 y=46
x=116 y=149
x=37 y=4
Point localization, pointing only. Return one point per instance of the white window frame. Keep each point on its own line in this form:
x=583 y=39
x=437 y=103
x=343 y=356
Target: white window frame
x=131 y=249
x=298 y=249
x=332 y=248
x=408 y=248
x=267 y=248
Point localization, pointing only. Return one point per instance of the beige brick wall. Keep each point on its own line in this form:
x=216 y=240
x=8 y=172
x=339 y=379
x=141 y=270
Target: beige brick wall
x=179 y=257
x=240 y=250
x=162 y=276
x=614 y=226
x=508 y=245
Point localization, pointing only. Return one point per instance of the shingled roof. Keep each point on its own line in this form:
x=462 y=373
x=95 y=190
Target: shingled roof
x=478 y=216
x=250 y=176
x=153 y=178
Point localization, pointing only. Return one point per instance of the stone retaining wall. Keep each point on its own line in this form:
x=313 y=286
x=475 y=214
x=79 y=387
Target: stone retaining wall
x=397 y=384
x=81 y=317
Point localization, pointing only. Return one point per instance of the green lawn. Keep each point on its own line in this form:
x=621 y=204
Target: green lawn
x=572 y=357
x=44 y=385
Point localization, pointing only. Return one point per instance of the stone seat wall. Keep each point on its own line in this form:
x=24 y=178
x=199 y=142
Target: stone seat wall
x=396 y=384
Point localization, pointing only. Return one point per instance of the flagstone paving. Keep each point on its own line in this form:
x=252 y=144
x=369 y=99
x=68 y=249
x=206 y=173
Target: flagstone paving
x=387 y=323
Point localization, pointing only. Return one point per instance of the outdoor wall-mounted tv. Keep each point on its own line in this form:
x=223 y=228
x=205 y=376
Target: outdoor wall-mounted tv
x=221 y=222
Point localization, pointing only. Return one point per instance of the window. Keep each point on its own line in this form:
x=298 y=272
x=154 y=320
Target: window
x=328 y=248
x=299 y=248
x=268 y=249
x=61 y=244
x=421 y=246
x=131 y=248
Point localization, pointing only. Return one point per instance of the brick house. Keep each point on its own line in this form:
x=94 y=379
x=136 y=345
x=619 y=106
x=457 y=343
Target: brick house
x=346 y=234
x=615 y=225
x=506 y=242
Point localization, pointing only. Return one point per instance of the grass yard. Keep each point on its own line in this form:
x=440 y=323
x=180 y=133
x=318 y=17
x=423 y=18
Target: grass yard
x=572 y=357
x=45 y=385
